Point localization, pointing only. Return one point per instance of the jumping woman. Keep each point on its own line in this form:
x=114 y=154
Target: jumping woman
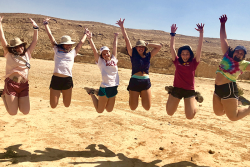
x=185 y=63
x=225 y=98
x=107 y=64
x=139 y=84
x=61 y=81
x=16 y=89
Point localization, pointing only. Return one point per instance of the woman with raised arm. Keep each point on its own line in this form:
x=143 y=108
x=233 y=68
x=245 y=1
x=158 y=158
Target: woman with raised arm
x=225 y=98
x=107 y=64
x=185 y=63
x=139 y=84
x=64 y=59
x=16 y=89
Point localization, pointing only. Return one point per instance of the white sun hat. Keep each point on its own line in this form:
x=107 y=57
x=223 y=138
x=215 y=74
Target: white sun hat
x=66 y=40
x=104 y=48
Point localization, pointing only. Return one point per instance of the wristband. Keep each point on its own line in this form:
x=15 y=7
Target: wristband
x=172 y=34
x=45 y=22
x=36 y=28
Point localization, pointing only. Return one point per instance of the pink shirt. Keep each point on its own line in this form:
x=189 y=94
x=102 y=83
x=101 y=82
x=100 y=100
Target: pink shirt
x=184 y=74
x=13 y=64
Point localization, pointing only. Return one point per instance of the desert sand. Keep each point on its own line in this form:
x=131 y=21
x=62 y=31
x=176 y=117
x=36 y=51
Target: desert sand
x=79 y=136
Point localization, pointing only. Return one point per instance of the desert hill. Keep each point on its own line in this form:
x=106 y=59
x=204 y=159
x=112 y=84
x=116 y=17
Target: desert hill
x=18 y=24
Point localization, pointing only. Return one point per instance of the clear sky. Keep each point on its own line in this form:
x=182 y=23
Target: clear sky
x=146 y=14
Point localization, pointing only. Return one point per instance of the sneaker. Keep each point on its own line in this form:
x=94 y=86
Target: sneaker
x=198 y=97
x=243 y=101
x=1 y=92
x=89 y=90
x=169 y=89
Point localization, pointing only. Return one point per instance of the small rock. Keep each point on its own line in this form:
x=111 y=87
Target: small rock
x=211 y=152
x=161 y=148
x=135 y=138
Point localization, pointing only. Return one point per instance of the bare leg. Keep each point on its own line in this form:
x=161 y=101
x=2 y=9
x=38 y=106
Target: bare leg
x=67 y=94
x=100 y=104
x=146 y=99
x=190 y=107
x=172 y=104
x=231 y=108
x=110 y=104
x=54 y=97
x=4 y=102
x=217 y=105
x=133 y=99
x=12 y=103
x=24 y=104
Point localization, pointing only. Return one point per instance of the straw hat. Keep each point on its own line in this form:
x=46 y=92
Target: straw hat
x=66 y=40
x=15 y=42
x=141 y=43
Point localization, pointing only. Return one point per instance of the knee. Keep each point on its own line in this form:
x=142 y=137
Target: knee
x=219 y=112
x=133 y=108
x=109 y=110
x=232 y=118
x=12 y=112
x=147 y=107
x=169 y=111
x=100 y=110
x=26 y=112
x=190 y=116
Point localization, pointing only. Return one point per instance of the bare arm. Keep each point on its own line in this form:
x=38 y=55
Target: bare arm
x=223 y=34
x=35 y=37
x=47 y=29
x=198 y=51
x=124 y=33
x=2 y=37
x=172 y=41
x=156 y=49
x=115 y=45
x=79 y=45
x=96 y=56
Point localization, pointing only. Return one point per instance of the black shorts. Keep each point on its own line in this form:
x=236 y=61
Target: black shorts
x=108 y=91
x=139 y=85
x=182 y=93
x=61 y=83
x=226 y=91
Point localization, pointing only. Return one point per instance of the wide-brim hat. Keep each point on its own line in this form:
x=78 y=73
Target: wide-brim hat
x=104 y=48
x=16 y=42
x=66 y=40
x=141 y=43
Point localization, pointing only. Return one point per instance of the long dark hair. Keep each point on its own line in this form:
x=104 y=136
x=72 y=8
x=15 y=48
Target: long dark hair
x=185 y=47
x=12 y=49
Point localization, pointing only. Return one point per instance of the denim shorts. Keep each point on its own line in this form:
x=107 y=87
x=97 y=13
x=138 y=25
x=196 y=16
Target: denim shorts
x=138 y=85
x=226 y=91
x=61 y=83
x=16 y=89
x=108 y=91
x=182 y=93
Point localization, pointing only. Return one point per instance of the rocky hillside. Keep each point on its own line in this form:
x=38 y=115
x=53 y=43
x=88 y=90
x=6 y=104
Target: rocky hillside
x=18 y=25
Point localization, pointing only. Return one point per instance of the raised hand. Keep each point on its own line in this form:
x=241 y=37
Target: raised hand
x=200 y=27
x=86 y=31
x=46 y=21
x=89 y=35
x=33 y=22
x=173 y=28
x=120 y=22
x=223 y=19
x=1 y=18
x=116 y=34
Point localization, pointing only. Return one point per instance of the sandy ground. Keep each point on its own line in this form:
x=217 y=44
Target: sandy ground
x=79 y=136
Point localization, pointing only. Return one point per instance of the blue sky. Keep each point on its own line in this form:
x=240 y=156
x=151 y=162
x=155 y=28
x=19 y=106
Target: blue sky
x=146 y=14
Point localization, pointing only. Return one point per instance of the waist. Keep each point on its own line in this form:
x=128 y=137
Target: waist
x=220 y=79
x=16 y=77
x=141 y=74
x=140 y=77
x=60 y=75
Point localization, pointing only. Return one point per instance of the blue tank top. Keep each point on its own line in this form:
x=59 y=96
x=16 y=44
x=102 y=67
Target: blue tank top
x=140 y=64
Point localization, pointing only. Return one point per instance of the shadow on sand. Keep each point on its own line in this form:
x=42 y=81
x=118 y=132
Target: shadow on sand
x=51 y=154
